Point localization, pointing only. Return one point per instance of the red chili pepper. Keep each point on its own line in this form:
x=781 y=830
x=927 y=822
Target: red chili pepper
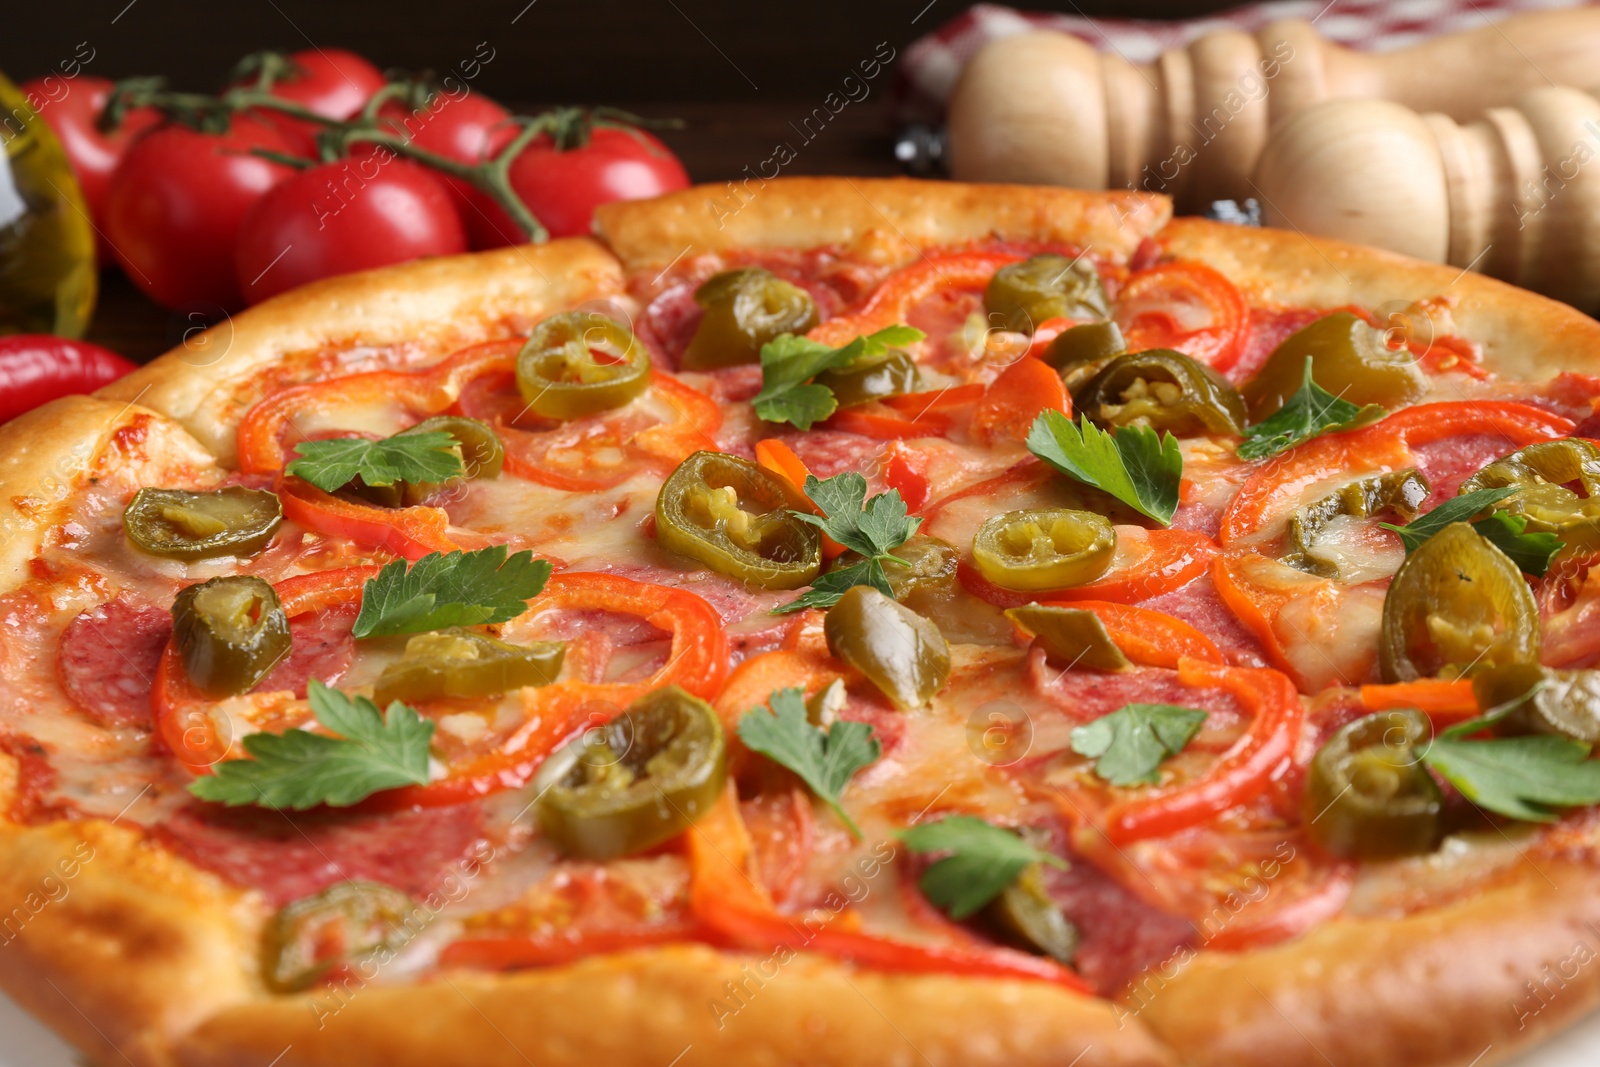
x=1243 y=771
x=36 y=368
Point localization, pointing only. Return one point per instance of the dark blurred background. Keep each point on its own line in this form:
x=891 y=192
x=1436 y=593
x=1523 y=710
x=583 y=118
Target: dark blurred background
x=577 y=51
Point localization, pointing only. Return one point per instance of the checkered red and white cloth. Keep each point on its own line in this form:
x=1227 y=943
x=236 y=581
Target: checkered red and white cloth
x=932 y=63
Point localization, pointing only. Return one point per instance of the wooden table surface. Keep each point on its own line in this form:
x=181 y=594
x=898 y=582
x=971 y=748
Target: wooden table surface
x=718 y=142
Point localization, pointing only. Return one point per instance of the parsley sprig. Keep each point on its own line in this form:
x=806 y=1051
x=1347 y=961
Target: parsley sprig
x=1133 y=465
x=788 y=364
x=1311 y=412
x=1525 y=778
x=1508 y=532
x=449 y=589
x=299 y=769
x=983 y=860
x=1129 y=745
x=824 y=759
x=429 y=456
x=873 y=528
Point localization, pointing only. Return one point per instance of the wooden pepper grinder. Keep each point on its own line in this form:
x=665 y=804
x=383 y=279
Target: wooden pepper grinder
x=1047 y=108
x=1515 y=194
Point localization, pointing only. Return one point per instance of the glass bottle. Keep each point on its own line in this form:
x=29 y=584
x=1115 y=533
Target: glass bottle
x=47 y=273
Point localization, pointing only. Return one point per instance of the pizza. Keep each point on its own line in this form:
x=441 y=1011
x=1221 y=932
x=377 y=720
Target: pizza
x=840 y=621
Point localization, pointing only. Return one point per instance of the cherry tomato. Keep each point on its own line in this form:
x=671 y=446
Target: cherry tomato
x=563 y=187
x=175 y=204
x=72 y=108
x=330 y=81
x=368 y=211
x=468 y=129
x=36 y=368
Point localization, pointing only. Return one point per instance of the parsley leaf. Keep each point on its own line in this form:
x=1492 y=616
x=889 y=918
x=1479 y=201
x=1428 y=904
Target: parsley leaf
x=405 y=457
x=824 y=759
x=299 y=769
x=983 y=860
x=788 y=363
x=1133 y=465
x=874 y=528
x=1129 y=744
x=1523 y=777
x=449 y=589
x=1530 y=551
x=1311 y=412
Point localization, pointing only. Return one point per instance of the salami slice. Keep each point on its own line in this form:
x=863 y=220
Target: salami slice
x=321 y=648
x=108 y=659
x=289 y=855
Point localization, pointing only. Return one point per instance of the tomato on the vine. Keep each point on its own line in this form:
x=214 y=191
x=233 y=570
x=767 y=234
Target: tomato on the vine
x=175 y=204
x=332 y=82
x=368 y=211
x=468 y=129
x=563 y=185
x=72 y=108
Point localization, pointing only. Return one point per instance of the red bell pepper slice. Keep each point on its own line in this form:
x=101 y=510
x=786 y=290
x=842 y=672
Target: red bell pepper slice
x=728 y=899
x=782 y=461
x=1022 y=392
x=1241 y=774
x=1149 y=638
x=904 y=470
x=892 y=301
x=1186 y=306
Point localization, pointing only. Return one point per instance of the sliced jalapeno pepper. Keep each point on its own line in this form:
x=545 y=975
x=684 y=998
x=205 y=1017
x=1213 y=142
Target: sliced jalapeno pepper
x=1024 y=915
x=178 y=524
x=581 y=363
x=1164 y=390
x=734 y=517
x=482 y=454
x=644 y=777
x=308 y=937
x=891 y=374
x=1348 y=358
x=464 y=664
x=1400 y=492
x=899 y=651
x=1456 y=602
x=930 y=575
x=1368 y=796
x=230 y=632
x=1086 y=345
x=1042 y=287
x=1071 y=636
x=744 y=309
x=1044 y=548
x=1543 y=474
x=1565 y=703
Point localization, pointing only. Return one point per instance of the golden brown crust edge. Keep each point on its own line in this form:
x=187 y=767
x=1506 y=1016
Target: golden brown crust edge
x=441 y=304
x=815 y=212
x=1522 y=334
x=657 y=1008
x=1470 y=983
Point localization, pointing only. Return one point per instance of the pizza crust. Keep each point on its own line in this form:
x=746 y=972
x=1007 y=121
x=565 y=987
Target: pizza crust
x=808 y=213
x=1521 y=334
x=147 y=958
x=437 y=305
